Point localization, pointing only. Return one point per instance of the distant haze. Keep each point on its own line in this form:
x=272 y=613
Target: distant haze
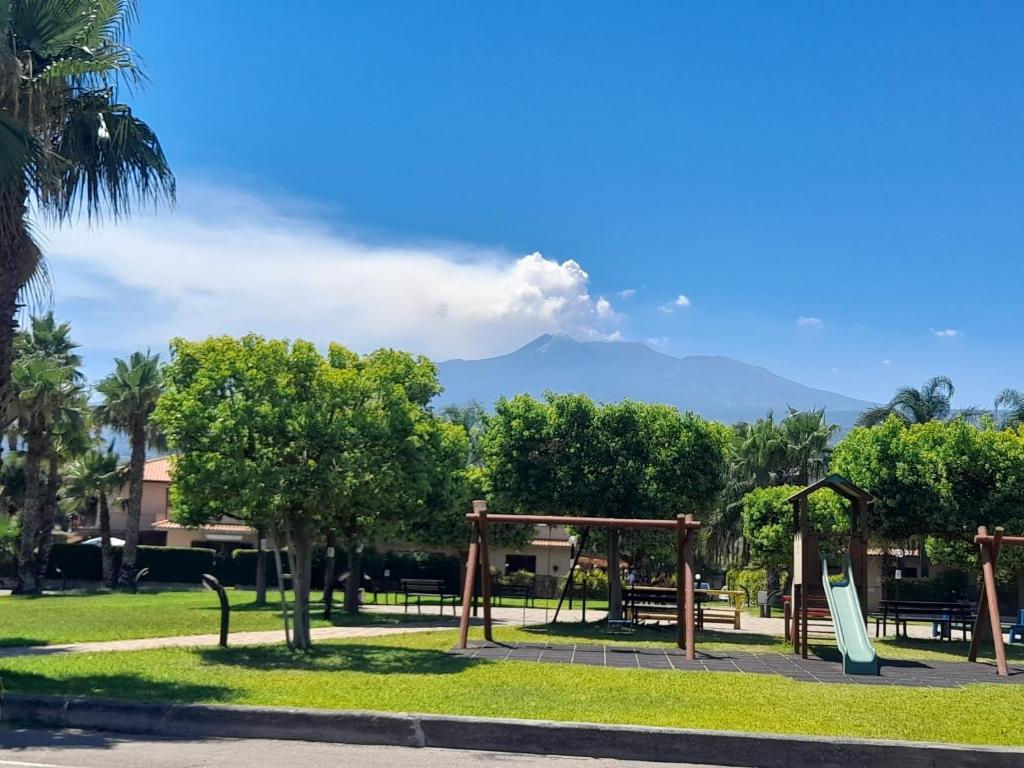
x=608 y=371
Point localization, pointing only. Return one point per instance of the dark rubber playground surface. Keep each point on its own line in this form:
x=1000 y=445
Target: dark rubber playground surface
x=924 y=674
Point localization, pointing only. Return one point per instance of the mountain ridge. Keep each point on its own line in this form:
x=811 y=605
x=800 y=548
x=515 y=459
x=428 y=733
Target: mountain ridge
x=715 y=386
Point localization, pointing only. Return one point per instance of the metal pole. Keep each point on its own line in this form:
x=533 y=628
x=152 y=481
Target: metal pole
x=691 y=651
x=567 y=589
x=480 y=507
x=211 y=582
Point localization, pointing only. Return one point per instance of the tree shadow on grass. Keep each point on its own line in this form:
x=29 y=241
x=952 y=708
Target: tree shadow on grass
x=347 y=657
x=114 y=686
x=596 y=633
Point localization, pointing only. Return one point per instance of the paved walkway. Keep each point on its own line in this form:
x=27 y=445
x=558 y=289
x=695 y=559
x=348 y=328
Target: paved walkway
x=925 y=674
x=502 y=616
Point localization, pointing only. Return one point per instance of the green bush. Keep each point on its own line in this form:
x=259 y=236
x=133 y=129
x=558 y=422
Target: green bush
x=174 y=565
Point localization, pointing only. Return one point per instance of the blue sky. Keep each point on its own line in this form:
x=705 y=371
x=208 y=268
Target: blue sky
x=834 y=187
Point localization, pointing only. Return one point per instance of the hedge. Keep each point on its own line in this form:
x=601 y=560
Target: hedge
x=399 y=565
x=175 y=565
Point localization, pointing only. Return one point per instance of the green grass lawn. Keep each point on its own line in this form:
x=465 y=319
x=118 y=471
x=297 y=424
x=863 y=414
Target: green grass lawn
x=118 y=616
x=413 y=673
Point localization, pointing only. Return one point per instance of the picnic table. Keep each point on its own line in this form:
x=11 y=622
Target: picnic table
x=946 y=615
x=712 y=606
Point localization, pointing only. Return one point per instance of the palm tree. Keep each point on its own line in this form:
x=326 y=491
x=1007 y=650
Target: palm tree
x=807 y=436
x=1012 y=401
x=932 y=402
x=129 y=397
x=92 y=477
x=44 y=390
x=67 y=145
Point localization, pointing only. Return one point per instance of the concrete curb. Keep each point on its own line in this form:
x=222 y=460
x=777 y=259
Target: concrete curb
x=728 y=748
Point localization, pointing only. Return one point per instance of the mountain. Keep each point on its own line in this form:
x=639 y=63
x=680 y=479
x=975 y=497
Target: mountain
x=715 y=387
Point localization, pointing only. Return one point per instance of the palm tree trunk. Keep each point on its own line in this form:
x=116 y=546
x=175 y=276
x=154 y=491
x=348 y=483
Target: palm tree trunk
x=48 y=514
x=19 y=258
x=28 y=584
x=134 y=512
x=106 y=551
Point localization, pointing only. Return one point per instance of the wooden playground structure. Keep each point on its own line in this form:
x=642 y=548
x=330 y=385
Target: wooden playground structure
x=684 y=526
x=807 y=600
x=988 y=623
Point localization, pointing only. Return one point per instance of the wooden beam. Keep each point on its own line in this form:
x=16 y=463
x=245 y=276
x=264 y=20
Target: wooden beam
x=688 y=526
x=989 y=558
x=581 y=522
x=480 y=508
x=467 y=588
x=681 y=582
x=1015 y=541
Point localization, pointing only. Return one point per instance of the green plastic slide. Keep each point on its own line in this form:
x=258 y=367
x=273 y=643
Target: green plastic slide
x=859 y=658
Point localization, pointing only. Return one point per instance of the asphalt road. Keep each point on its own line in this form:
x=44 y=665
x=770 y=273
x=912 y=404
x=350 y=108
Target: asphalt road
x=78 y=749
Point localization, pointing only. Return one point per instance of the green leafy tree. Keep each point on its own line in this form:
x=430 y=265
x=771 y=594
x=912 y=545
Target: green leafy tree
x=566 y=455
x=67 y=142
x=129 y=397
x=286 y=439
x=768 y=525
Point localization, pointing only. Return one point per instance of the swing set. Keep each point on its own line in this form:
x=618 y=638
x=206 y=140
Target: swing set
x=988 y=604
x=480 y=554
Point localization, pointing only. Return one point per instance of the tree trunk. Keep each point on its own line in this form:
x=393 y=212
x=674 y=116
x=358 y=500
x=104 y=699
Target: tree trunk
x=19 y=257
x=614 y=577
x=48 y=515
x=134 y=511
x=330 y=575
x=355 y=576
x=28 y=584
x=106 y=551
x=300 y=550
x=772 y=581
x=261 y=569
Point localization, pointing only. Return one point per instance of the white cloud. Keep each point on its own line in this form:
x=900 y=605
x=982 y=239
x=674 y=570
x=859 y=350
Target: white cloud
x=946 y=333
x=887 y=363
x=228 y=262
x=628 y=293
x=682 y=300
x=809 y=322
x=659 y=341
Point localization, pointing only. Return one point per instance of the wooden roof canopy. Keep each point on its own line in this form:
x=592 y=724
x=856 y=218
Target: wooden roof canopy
x=845 y=488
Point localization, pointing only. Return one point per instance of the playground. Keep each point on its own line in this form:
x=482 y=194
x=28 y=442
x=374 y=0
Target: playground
x=826 y=610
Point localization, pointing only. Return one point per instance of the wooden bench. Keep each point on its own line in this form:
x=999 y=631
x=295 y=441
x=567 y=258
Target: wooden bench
x=522 y=591
x=420 y=588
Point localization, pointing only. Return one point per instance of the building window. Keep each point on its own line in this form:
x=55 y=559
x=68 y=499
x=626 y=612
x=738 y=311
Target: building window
x=516 y=563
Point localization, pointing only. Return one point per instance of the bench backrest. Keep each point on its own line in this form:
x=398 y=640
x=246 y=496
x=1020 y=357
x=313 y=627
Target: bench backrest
x=423 y=585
